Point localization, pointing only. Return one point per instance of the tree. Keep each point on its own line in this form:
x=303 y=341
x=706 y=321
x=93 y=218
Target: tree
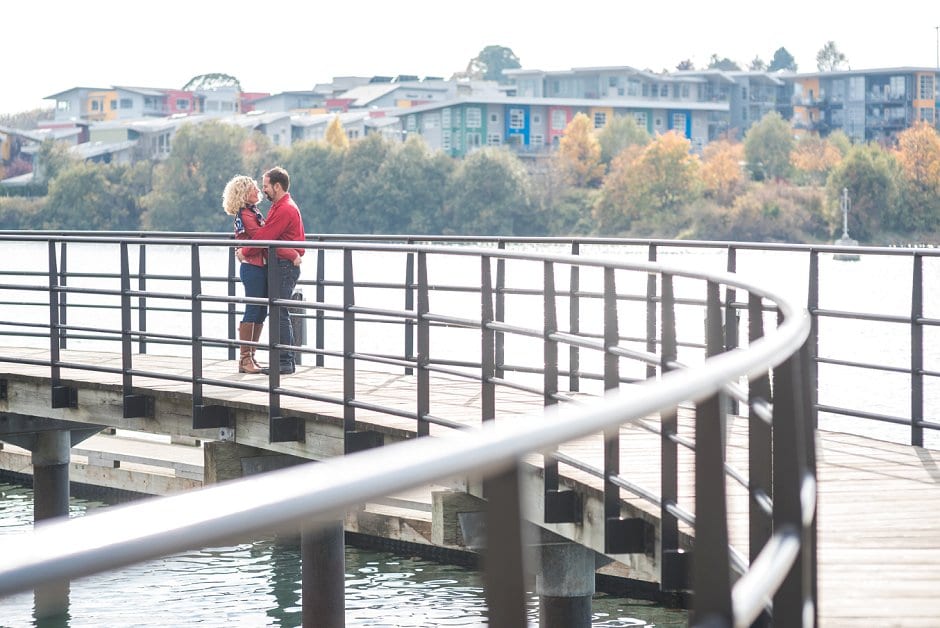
x=187 y=190
x=722 y=174
x=620 y=132
x=757 y=65
x=722 y=64
x=685 y=64
x=489 y=194
x=491 y=62
x=579 y=152
x=211 y=81
x=814 y=157
x=767 y=148
x=869 y=173
x=314 y=168
x=335 y=135
x=88 y=196
x=649 y=189
x=782 y=60
x=918 y=156
x=355 y=196
x=829 y=59
x=52 y=158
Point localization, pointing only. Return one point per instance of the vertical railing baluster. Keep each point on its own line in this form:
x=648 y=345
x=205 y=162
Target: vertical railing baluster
x=812 y=305
x=126 y=338
x=789 y=469
x=349 y=343
x=230 y=282
x=424 y=347
x=651 y=312
x=321 y=293
x=54 y=313
x=611 y=382
x=500 y=314
x=409 y=306
x=574 y=323
x=550 y=359
x=731 y=315
x=711 y=560
x=917 y=352
x=503 y=561
x=196 y=323
x=674 y=575
x=274 y=341
x=810 y=546
x=62 y=295
x=487 y=343
x=142 y=300
x=760 y=452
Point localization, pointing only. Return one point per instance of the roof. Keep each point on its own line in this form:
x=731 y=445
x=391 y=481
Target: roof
x=623 y=103
x=897 y=70
x=74 y=89
x=143 y=91
x=308 y=120
x=89 y=150
x=364 y=95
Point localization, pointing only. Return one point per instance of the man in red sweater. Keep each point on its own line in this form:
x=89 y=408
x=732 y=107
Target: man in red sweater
x=283 y=222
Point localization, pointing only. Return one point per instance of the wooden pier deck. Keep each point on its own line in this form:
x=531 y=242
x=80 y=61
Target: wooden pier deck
x=879 y=502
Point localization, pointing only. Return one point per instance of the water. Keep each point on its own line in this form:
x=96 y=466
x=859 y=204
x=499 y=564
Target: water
x=258 y=583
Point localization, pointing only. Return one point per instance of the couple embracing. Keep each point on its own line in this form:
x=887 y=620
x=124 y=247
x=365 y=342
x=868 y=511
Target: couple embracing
x=283 y=222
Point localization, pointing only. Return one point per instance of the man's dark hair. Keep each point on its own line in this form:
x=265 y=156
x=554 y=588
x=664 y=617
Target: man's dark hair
x=278 y=175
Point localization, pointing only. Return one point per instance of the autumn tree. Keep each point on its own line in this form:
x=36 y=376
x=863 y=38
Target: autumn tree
x=918 y=156
x=829 y=58
x=648 y=190
x=619 y=133
x=335 y=135
x=579 y=152
x=767 y=148
x=721 y=173
x=814 y=157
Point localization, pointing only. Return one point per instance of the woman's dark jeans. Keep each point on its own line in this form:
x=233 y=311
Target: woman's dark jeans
x=255 y=282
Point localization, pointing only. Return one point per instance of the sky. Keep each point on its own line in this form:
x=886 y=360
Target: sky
x=275 y=47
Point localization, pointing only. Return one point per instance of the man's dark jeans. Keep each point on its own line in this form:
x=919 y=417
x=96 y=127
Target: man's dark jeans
x=289 y=275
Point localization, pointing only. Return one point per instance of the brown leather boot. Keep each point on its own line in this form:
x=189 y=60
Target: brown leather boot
x=245 y=363
x=255 y=335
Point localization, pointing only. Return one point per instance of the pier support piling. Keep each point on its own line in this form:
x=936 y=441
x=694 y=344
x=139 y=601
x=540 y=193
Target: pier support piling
x=565 y=585
x=323 y=574
x=50 y=458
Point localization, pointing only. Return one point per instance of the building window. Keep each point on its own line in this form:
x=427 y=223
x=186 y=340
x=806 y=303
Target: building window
x=494 y=139
x=445 y=140
x=516 y=118
x=536 y=118
x=411 y=124
x=679 y=122
x=126 y=103
x=113 y=104
x=494 y=118
x=926 y=114
x=94 y=105
x=538 y=140
x=559 y=120
x=182 y=103
x=600 y=119
x=640 y=117
x=473 y=140
x=685 y=92
x=925 y=91
x=474 y=118
x=430 y=121
x=456 y=139
x=445 y=118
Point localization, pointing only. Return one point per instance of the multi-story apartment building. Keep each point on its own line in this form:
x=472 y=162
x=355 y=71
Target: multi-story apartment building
x=868 y=105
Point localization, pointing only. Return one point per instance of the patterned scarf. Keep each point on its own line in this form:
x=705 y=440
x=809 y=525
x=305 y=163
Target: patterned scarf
x=240 y=226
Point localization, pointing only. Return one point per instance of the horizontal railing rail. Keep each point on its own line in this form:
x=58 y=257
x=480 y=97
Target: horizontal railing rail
x=490 y=321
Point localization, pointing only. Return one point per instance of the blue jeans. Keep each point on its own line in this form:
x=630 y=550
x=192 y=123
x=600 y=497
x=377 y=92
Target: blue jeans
x=255 y=282
x=289 y=274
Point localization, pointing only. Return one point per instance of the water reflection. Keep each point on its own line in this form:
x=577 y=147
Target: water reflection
x=258 y=583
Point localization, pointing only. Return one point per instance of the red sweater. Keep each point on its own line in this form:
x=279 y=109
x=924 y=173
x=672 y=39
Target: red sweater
x=247 y=223
x=283 y=223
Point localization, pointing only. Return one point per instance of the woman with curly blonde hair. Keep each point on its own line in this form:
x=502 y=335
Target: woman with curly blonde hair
x=240 y=200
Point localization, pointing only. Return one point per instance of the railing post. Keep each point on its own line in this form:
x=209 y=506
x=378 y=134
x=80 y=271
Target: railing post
x=711 y=560
x=500 y=310
x=574 y=322
x=812 y=305
x=651 y=312
x=611 y=434
x=196 y=323
x=230 y=281
x=917 y=352
x=675 y=568
x=790 y=472
x=142 y=300
x=321 y=294
x=349 y=344
x=424 y=347
x=409 y=306
x=731 y=315
x=134 y=405
x=504 y=562
x=760 y=451
x=63 y=296
x=62 y=396
x=487 y=343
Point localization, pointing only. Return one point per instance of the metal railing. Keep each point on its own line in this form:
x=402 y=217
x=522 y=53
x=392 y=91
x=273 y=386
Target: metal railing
x=776 y=579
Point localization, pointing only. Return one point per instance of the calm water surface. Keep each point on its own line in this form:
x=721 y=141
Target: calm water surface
x=259 y=583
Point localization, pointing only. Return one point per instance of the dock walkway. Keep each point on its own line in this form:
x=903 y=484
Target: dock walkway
x=879 y=502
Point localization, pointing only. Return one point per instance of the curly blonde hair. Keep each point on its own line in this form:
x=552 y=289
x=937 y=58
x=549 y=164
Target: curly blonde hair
x=235 y=193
